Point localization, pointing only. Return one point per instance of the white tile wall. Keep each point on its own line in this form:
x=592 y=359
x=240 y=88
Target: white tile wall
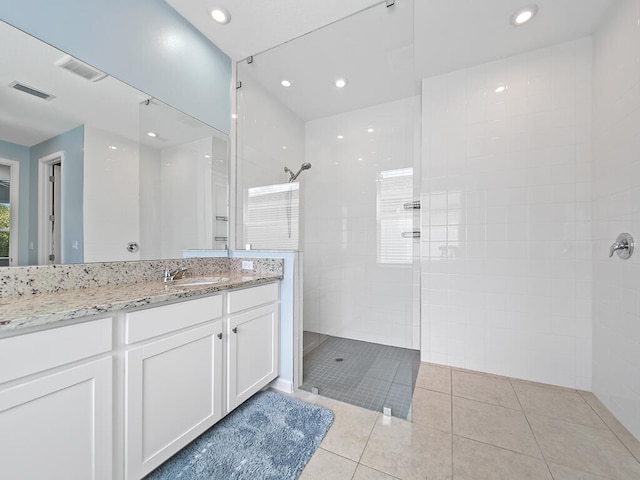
x=348 y=292
x=506 y=247
x=616 y=209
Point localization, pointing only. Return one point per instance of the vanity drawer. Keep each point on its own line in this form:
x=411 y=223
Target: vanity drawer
x=156 y=321
x=31 y=353
x=252 y=297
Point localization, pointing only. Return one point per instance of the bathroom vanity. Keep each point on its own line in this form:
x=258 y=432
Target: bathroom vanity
x=115 y=394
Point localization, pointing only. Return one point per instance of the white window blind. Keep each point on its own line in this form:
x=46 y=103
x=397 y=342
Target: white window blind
x=395 y=188
x=271 y=216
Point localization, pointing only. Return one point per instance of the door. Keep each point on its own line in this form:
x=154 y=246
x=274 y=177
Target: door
x=173 y=394
x=50 y=209
x=60 y=424
x=252 y=354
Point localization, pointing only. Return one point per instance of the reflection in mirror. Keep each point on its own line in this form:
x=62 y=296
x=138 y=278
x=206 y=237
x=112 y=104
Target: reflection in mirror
x=61 y=118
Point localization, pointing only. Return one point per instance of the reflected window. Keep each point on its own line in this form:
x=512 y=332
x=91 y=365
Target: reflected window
x=271 y=216
x=5 y=228
x=395 y=188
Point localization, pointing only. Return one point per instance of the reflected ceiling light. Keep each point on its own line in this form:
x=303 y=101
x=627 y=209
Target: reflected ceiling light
x=220 y=15
x=522 y=16
x=340 y=137
x=341 y=82
x=359 y=159
x=370 y=130
x=285 y=83
x=112 y=147
x=206 y=155
x=284 y=147
x=501 y=88
x=152 y=134
x=233 y=115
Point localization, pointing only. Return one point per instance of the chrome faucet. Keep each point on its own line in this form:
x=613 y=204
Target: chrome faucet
x=169 y=276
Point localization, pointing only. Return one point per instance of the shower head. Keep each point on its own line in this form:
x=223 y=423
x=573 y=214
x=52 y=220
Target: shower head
x=293 y=176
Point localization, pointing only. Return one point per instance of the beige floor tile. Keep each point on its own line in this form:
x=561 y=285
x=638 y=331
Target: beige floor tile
x=434 y=377
x=478 y=461
x=350 y=430
x=562 y=404
x=499 y=426
x=584 y=448
x=629 y=441
x=365 y=473
x=484 y=388
x=328 y=466
x=408 y=451
x=565 y=473
x=431 y=409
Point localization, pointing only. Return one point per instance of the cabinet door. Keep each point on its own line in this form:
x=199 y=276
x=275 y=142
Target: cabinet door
x=60 y=425
x=252 y=355
x=173 y=394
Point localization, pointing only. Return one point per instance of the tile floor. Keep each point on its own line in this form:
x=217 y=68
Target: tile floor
x=365 y=374
x=468 y=425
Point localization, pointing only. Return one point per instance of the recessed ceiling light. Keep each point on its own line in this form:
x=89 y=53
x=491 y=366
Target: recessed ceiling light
x=501 y=88
x=220 y=15
x=285 y=83
x=523 y=15
x=340 y=137
x=284 y=147
x=341 y=82
x=206 y=155
x=112 y=147
x=152 y=134
x=370 y=130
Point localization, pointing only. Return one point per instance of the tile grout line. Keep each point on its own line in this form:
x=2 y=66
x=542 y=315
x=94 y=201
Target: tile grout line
x=451 y=408
x=609 y=427
x=546 y=462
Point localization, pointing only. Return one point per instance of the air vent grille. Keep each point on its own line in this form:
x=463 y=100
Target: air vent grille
x=81 y=69
x=31 y=91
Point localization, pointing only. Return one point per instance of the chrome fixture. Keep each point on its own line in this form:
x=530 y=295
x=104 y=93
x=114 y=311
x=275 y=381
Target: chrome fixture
x=415 y=205
x=410 y=234
x=169 y=276
x=623 y=246
x=293 y=176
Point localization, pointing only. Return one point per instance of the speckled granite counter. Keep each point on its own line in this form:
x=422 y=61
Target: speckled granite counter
x=92 y=289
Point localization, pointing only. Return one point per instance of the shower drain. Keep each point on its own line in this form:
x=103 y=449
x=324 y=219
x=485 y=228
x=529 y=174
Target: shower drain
x=339 y=359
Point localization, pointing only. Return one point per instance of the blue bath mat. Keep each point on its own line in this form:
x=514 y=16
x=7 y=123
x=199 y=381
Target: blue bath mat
x=270 y=436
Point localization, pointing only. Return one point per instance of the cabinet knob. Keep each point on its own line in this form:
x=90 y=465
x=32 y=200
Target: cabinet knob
x=219 y=336
x=234 y=329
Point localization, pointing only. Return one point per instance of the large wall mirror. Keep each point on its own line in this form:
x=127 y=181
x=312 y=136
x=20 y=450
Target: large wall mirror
x=93 y=170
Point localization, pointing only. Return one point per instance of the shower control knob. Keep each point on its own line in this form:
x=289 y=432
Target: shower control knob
x=623 y=246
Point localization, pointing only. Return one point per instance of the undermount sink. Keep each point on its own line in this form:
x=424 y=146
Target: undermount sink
x=198 y=281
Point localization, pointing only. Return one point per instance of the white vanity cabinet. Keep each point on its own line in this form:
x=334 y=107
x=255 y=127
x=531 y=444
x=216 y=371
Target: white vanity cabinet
x=253 y=337
x=174 y=386
x=56 y=390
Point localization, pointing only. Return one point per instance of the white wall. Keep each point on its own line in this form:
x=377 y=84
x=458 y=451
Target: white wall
x=111 y=196
x=349 y=291
x=506 y=252
x=616 y=209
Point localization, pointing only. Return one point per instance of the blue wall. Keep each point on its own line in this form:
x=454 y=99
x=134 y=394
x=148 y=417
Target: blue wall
x=71 y=144
x=144 y=43
x=20 y=153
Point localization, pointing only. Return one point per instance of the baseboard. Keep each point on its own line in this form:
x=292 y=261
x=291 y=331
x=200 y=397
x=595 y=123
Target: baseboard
x=282 y=385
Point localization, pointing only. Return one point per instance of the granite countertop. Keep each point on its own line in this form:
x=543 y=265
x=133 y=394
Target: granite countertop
x=40 y=309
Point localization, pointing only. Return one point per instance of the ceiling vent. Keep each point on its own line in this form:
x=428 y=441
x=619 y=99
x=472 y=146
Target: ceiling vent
x=32 y=91
x=79 y=68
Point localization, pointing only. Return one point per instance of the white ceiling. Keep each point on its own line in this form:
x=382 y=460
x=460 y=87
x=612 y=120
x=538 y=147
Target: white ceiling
x=383 y=53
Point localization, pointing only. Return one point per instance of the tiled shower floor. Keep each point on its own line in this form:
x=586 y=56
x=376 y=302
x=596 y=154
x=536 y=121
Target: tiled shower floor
x=365 y=374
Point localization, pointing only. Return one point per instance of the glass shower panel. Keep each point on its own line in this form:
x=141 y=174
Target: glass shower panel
x=358 y=220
